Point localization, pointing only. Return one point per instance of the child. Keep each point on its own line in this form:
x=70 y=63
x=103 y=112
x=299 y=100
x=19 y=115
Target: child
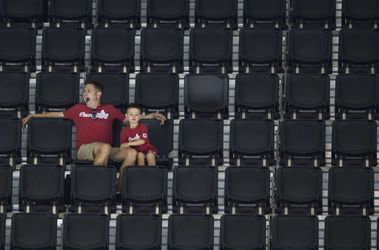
x=135 y=136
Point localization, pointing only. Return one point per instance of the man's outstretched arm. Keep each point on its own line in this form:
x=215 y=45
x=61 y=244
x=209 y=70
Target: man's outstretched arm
x=42 y=115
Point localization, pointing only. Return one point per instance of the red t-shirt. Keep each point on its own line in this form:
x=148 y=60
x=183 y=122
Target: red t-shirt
x=92 y=128
x=140 y=132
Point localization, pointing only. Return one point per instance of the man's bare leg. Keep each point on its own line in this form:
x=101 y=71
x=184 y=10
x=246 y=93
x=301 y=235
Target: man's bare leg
x=141 y=159
x=151 y=161
x=128 y=157
x=101 y=153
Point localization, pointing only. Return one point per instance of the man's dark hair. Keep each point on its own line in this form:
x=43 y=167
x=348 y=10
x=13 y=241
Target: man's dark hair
x=135 y=106
x=97 y=85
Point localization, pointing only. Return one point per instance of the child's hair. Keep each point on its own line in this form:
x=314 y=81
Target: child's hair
x=134 y=106
x=97 y=85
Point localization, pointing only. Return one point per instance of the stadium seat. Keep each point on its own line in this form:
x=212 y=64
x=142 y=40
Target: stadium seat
x=116 y=88
x=356 y=96
x=2 y=231
x=294 y=232
x=257 y=96
x=41 y=189
x=302 y=143
x=190 y=232
x=158 y=92
x=168 y=13
x=10 y=143
x=351 y=191
x=23 y=13
x=298 y=190
x=313 y=14
x=17 y=49
x=119 y=13
x=251 y=142
x=138 y=232
x=216 y=13
x=358 y=51
x=144 y=190
x=49 y=141
x=206 y=96
x=56 y=91
x=162 y=50
x=63 y=49
x=354 y=143
x=85 y=231
x=5 y=189
x=93 y=189
x=240 y=232
x=34 y=231
x=200 y=142
x=266 y=13
x=307 y=96
x=364 y=14
x=189 y=198
x=112 y=50
x=260 y=50
x=71 y=13
x=211 y=50
x=310 y=51
x=14 y=94
x=247 y=190
x=347 y=232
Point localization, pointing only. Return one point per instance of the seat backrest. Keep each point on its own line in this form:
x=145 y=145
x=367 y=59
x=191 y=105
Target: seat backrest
x=119 y=13
x=5 y=189
x=71 y=13
x=2 y=230
x=23 y=13
x=10 y=143
x=216 y=13
x=161 y=136
x=168 y=13
x=362 y=15
x=265 y=13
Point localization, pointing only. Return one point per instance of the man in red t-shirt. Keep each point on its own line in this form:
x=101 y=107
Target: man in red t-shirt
x=93 y=122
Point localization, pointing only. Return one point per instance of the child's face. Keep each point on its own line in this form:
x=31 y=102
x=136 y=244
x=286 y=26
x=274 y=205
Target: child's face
x=134 y=115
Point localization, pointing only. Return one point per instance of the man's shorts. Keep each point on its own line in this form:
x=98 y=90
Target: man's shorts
x=85 y=152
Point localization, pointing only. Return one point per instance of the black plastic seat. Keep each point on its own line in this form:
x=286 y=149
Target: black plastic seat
x=307 y=96
x=260 y=50
x=49 y=141
x=351 y=191
x=2 y=231
x=247 y=190
x=168 y=13
x=216 y=13
x=251 y=142
x=354 y=143
x=41 y=188
x=116 y=88
x=211 y=50
x=18 y=49
x=144 y=190
x=112 y=50
x=302 y=143
x=294 y=232
x=71 y=13
x=200 y=142
x=347 y=232
x=266 y=13
x=34 y=231
x=298 y=190
x=10 y=143
x=358 y=51
x=364 y=14
x=138 y=232
x=5 y=189
x=189 y=198
x=257 y=96
x=190 y=232
x=63 y=49
x=158 y=92
x=14 y=94
x=93 y=189
x=310 y=51
x=313 y=14
x=124 y=13
x=162 y=50
x=23 y=13
x=239 y=232
x=85 y=231
x=356 y=96
x=206 y=96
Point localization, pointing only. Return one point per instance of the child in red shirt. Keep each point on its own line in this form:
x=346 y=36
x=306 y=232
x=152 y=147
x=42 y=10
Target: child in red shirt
x=135 y=135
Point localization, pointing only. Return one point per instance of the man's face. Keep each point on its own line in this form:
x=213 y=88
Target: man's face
x=91 y=93
x=134 y=115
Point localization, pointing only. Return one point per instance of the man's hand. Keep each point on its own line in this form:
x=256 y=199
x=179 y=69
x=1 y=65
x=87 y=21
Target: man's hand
x=26 y=120
x=124 y=146
x=159 y=116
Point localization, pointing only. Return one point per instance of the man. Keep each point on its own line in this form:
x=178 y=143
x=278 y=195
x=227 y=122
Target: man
x=93 y=121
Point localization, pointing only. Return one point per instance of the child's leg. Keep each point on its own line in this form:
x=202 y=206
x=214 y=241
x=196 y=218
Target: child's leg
x=150 y=157
x=140 y=159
